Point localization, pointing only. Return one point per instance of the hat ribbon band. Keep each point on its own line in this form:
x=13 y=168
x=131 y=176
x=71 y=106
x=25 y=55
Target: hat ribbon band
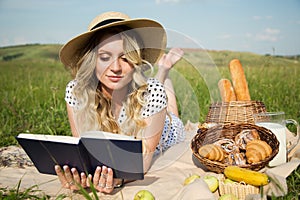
x=105 y=22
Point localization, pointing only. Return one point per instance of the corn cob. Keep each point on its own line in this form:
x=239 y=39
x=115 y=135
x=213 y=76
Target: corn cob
x=248 y=176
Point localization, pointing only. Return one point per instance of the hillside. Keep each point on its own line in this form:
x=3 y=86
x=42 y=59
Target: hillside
x=50 y=51
x=33 y=84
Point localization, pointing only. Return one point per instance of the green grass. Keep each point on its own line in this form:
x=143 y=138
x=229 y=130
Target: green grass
x=33 y=84
x=32 y=91
x=33 y=192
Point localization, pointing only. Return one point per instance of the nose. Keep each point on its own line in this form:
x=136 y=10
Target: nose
x=115 y=65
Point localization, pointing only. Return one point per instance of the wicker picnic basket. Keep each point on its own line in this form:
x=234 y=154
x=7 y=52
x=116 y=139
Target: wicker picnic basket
x=234 y=112
x=240 y=190
x=229 y=131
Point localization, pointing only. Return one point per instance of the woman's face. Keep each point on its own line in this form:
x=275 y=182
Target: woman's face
x=112 y=68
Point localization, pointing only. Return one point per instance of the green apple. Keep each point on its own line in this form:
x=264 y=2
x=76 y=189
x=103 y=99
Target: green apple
x=212 y=182
x=144 y=195
x=228 y=197
x=190 y=179
x=227 y=180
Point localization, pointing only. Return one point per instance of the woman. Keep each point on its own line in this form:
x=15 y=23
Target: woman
x=110 y=91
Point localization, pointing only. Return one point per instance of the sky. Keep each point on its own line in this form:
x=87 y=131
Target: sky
x=258 y=26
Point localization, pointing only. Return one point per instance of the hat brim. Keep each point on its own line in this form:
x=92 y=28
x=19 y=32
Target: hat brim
x=151 y=32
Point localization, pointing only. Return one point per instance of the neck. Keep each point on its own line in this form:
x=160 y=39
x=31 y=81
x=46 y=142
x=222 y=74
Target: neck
x=116 y=96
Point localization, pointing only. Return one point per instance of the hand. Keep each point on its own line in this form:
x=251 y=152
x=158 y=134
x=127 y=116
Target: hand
x=103 y=179
x=69 y=178
x=168 y=60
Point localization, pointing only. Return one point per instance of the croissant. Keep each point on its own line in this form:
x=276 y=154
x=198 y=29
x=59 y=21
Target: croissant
x=257 y=150
x=212 y=152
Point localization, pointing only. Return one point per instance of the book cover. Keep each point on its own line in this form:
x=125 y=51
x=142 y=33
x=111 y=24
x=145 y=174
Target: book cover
x=121 y=153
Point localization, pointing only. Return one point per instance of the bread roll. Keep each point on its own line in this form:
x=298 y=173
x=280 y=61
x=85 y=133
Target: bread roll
x=226 y=90
x=211 y=152
x=239 y=81
x=257 y=150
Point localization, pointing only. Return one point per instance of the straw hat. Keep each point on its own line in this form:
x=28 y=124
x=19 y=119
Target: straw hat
x=151 y=32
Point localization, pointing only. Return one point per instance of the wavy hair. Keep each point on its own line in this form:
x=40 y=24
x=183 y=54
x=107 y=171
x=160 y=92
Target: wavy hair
x=95 y=109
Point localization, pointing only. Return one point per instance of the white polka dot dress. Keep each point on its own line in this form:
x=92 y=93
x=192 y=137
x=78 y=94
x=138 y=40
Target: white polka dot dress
x=156 y=100
x=69 y=97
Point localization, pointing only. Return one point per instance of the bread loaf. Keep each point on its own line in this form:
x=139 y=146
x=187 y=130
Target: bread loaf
x=226 y=90
x=239 y=81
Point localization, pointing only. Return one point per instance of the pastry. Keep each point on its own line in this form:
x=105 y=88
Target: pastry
x=239 y=81
x=211 y=152
x=228 y=145
x=245 y=136
x=235 y=159
x=226 y=90
x=257 y=150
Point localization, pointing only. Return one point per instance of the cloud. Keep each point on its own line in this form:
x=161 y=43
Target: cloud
x=271 y=31
x=225 y=36
x=269 y=34
x=256 y=17
x=5 y=41
x=269 y=17
x=248 y=35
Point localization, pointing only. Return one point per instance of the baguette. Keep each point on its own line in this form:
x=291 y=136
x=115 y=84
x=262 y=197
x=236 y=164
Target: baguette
x=226 y=90
x=239 y=81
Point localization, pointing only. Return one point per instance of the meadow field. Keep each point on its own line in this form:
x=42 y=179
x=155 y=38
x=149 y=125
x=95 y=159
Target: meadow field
x=33 y=85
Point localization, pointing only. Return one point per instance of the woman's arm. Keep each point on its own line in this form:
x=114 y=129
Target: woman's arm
x=72 y=121
x=166 y=62
x=151 y=136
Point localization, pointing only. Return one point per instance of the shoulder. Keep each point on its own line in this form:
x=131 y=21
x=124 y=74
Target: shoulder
x=71 y=84
x=69 y=97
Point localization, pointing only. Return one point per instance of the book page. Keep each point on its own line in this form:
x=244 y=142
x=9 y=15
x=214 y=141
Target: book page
x=52 y=138
x=106 y=135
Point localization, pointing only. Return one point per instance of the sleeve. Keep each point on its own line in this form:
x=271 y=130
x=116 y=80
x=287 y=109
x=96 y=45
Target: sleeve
x=156 y=98
x=69 y=97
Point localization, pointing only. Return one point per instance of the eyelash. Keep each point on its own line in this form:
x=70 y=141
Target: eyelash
x=107 y=58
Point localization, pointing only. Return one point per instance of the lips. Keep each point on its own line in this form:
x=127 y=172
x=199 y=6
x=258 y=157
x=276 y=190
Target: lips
x=114 y=78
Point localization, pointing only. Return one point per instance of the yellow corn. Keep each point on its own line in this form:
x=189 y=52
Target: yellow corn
x=248 y=176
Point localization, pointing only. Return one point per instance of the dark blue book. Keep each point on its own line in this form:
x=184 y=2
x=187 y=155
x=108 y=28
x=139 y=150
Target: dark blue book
x=95 y=148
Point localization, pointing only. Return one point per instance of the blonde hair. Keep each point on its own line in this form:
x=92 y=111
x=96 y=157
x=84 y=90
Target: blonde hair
x=95 y=111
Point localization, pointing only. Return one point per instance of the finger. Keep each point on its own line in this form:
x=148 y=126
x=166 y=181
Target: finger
x=83 y=180
x=109 y=181
x=174 y=55
x=76 y=176
x=68 y=175
x=61 y=176
x=96 y=177
x=102 y=181
x=162 y=60
x=178 y=51
x=89 y=180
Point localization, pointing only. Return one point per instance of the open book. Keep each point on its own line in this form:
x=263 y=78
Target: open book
x=95 y=148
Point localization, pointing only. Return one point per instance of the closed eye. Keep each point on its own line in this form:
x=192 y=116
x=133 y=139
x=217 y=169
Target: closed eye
x=104 y=57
